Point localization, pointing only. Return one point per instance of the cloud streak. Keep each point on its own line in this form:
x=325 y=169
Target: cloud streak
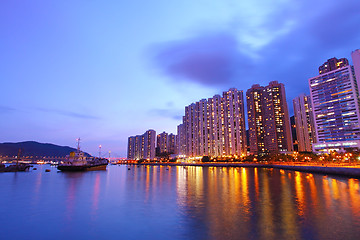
x=5 y=109
x=69 y=114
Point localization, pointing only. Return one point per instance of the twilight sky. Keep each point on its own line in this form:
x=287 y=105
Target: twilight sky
x=105 y=70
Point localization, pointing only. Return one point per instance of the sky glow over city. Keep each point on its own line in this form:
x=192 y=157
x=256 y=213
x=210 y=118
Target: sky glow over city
x=107 y=70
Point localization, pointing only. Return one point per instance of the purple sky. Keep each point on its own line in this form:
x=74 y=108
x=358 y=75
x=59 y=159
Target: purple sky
x=105 y=70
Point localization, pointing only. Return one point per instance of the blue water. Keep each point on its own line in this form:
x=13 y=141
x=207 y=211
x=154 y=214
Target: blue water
x=155 y=202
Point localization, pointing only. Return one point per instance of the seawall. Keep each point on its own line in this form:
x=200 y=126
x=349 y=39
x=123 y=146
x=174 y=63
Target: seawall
x=351 y=171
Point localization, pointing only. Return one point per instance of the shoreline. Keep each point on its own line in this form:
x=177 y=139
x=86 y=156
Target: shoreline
x=345 y=171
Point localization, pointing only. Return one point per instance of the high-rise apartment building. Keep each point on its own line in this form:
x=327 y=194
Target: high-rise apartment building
x=149 y=144
x=162 y=142
x=214 y=127
x=268 y=118
x=277 y=120
x=335 y=101
x=131 y=148
x=142 y=146
x=165 y=143
x=256 y=120
x=181 y=140
x=138 y=152
x=304 y=121
x=171 y=143
x=234 y=119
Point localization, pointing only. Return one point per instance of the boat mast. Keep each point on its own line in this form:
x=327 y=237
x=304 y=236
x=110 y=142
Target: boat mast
x=78 y=145
x=99 y=151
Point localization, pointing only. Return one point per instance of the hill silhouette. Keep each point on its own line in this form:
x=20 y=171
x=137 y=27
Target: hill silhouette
x=32 y=148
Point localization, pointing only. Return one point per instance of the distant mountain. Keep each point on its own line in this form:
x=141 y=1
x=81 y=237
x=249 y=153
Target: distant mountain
x=31 y=148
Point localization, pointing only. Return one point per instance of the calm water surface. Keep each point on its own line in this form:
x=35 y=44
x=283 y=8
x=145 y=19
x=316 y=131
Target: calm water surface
x=155 y=202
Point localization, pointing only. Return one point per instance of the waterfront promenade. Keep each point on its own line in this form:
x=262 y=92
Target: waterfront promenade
x=340 y=169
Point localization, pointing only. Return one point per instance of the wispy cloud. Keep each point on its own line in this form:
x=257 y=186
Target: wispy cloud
x=69 y=113
x=6 y=109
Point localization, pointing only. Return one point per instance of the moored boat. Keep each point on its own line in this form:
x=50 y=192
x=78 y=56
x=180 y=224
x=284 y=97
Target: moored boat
x=77 y=161
x=19 y=167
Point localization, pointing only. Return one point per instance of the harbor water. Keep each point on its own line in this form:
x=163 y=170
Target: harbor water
x=159 y=202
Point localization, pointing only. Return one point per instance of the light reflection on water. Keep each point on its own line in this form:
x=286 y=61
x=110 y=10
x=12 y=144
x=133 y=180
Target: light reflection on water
x=158 y=202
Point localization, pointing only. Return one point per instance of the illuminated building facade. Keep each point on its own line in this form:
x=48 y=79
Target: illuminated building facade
x=214 y=127
x=181 y=139
x=165 y=143
x=171 y=143
x=139 y=139
x=268 y=118
x=131 y=148
x=277 y=120
x=304 y=121
x=255 y=110
x=333 y=64
x=162 y=142
x=149 y=144
x=335 y=101
x=142 y=146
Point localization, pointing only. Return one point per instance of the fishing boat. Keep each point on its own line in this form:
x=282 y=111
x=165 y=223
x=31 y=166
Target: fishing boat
x=78 y=161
